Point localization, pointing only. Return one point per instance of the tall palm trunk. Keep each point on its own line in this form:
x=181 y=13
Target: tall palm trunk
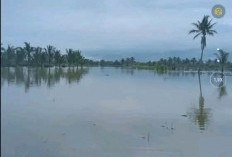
x=202 y=51
x=49 y=59
x=28 y=59
x=201 y=61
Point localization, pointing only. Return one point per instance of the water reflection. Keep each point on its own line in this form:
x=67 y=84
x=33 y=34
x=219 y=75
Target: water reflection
x=37 y=76
x=222 y=92
x=201 y=114
x=129 y=71
x=111 y=116
x=222 y=88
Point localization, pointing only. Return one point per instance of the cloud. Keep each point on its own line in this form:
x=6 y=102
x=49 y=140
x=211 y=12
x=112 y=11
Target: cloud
x=110 y=24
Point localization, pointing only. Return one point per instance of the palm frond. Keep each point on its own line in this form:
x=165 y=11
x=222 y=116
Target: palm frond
x=196 y=35
x=211 y=25
x=213 y=31
x=210 y=33
x=222 y=56
x=193 y=31
x=196 y=25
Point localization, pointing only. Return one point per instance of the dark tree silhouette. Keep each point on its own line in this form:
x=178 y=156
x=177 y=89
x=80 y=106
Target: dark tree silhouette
x=222 y=57
x=203 y=28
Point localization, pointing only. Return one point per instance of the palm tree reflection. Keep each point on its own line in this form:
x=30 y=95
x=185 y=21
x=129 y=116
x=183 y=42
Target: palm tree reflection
x=41 y=76
x=201 y=114
x=222 y=91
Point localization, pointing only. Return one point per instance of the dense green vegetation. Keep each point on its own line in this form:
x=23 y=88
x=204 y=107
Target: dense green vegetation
x=50 y=56
x=44 y=57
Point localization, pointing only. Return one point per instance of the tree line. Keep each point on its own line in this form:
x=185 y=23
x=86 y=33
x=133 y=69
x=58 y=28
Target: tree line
x=51 y=56
x=38 y=56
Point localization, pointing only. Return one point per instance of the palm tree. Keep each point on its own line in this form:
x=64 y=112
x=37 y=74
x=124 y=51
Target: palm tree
x=10 y=55
x=50 y=51
x=222 y=56
x=57 y=57
x=69 y=56
x=28 y=50
x=20 y=56
x=43 y=58
x=203 y=28
x=37 y=56
x=77 y=58
x=81 y=59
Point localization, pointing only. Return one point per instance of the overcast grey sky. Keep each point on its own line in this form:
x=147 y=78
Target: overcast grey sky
x=89 y=25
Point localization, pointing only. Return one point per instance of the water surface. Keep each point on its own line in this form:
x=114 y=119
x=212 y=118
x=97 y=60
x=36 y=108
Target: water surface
x=109 y=112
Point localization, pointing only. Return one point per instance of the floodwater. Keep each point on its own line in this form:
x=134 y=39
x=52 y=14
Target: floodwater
x=113 y=112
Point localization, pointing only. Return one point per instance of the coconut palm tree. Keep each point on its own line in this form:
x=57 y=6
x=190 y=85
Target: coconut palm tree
x=203 y=29
x=57 y=58
x=77 y=58
x=50 y=52
x=28 y=50
x=37 y=56
x=70 y=56
x=222 y=57
x=20 y=56
x=43 y=58
x=10 y=55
